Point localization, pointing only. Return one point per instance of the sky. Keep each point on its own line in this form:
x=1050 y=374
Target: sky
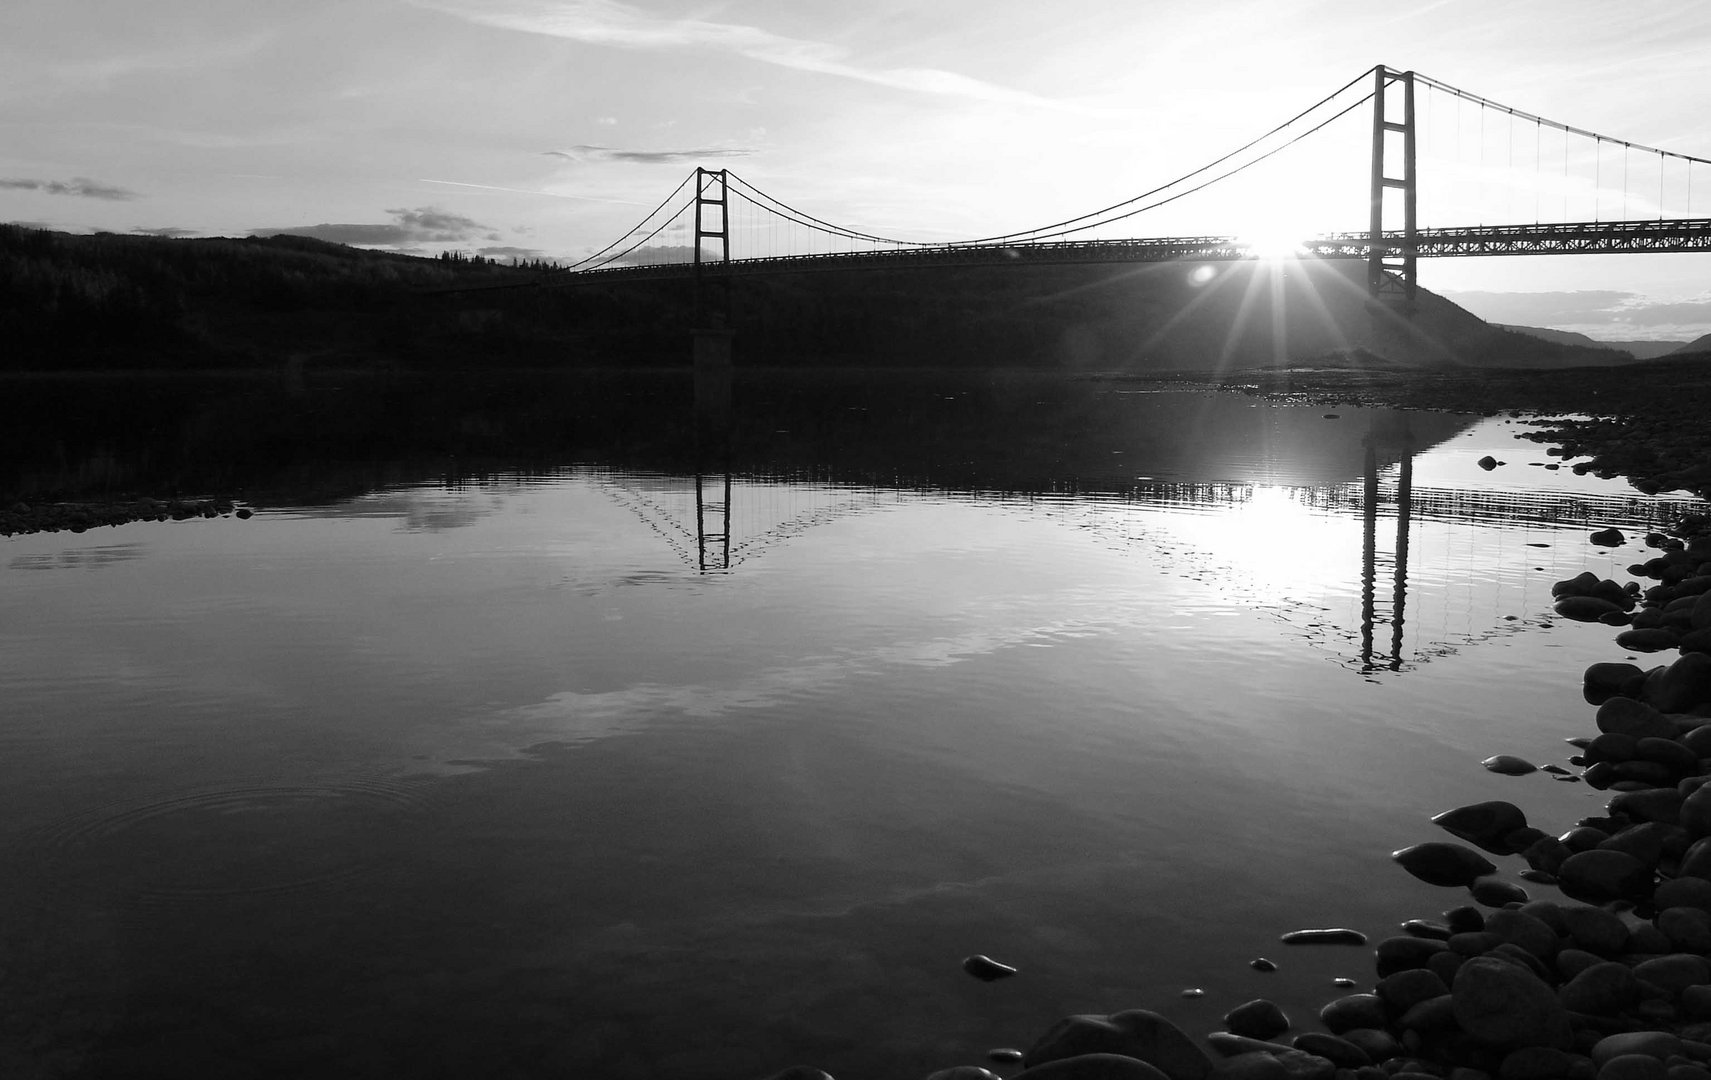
x=549 y=128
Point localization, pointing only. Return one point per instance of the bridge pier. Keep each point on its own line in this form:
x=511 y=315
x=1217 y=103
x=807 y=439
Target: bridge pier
x=712 y=353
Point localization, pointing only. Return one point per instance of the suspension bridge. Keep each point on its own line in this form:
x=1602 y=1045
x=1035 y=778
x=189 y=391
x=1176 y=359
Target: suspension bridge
x=1591 y=193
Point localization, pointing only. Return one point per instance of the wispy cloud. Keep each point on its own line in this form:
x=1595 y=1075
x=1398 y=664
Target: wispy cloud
x=502 y=251
x=81 y=186
x=408 y=228
x=584 y=154
x=166 y=231
x=525 y=191
x=627 y=26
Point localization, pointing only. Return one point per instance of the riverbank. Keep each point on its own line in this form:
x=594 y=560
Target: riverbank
x=1615 y=418
x=1614 y=984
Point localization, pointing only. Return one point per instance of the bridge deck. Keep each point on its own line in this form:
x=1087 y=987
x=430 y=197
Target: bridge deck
x=1572 y=238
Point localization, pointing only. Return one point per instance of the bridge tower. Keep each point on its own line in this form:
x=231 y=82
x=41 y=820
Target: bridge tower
x=712 y=222
x=1390 y=264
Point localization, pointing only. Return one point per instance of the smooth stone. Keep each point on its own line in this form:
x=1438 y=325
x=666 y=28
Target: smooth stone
x=1464 y=918
x=1548 y=912
x=1595 y=929
x=1541 y=1063
x=1257 y=1019
x=1648 y=939
x=1484 y=824
x=1517 y=955
x=1603 y=989
x=1662 y=805
x=1695 y=815
x=1427 y=929
x=1260 y=963
x=1698 y=740
x=1092 y=1067
x=1667 y=752
x=964 y=1072
x=1637 y=719
x=1495 y=892
x=1696 y=1002
x=1504 y=1006
x=1585 y=608
x=1433 y=1014
x=1688 y=928
x=1646 y=841
x=1138 y=1033
x=1254 y=1065
x=1687 y=1071
x=1405 y=989
x=1445 y=965
x=987 y=969
x=1401 y=953
x=1301 y=1065
x=1229 y=1044
x=1571 y=962
x=1683 y=892
x=1696 y=860
x=1633 y=1067
x=1477 y=943
x=1680 y=686
x=1674 y=972
x=1353 y=1012
x=1655 y=1044
x=1379 y=1044
x=1606 y=680
x=1438 y=863
x=1600 y=876
x=1525 y=930
x=1509 y=764
x=1325 y=936
x=1339 y=1052
x=1611 y=537
x=1006 y=1054
x=801 y=1072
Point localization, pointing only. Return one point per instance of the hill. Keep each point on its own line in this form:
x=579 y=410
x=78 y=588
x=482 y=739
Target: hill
x=106 y=301
x=1697 y=345
x=1636 y=350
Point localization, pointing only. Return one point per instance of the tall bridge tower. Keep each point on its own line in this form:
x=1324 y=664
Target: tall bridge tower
x=1390 y=265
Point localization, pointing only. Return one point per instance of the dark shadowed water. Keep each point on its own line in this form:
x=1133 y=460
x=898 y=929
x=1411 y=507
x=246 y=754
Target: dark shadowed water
x=483 y=750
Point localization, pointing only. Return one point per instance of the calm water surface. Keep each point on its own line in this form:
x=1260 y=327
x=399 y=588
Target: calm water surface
x=533 y=774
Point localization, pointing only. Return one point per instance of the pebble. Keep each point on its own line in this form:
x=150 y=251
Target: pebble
x=1509 y=765
x=1260 y=963
x=987 y=969
x=1327 y=936
x=1439 y=863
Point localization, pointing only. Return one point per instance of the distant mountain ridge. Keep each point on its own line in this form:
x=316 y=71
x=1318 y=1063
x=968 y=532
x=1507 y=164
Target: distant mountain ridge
x=110 y=301
x=1639 y=350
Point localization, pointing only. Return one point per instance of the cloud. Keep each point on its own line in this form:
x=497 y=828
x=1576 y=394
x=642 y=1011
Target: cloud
x=627 y=26
x=1600 y=312
x=166 y=232
x=81 y=186
x=585 y=155
x=425 y=224
x=654 y=255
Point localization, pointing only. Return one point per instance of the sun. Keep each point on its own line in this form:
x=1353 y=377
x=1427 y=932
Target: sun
x=1275 y=240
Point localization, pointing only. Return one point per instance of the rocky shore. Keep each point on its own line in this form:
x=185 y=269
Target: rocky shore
x=21 y=518
x=1606 y=978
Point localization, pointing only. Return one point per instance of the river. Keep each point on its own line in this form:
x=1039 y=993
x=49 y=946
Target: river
x=485 y=748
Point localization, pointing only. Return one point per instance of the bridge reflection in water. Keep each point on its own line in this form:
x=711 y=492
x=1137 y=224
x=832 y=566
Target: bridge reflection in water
x=1483 y=556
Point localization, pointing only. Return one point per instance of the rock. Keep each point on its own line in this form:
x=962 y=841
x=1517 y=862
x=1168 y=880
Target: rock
x=1595 y=929
x=1260 y=963
x=1138 y=1033
x=1439 y=863
x=1646 y=938
x=1405 y=989
x=987 y=969
x=1684 y=892
x=1255 y=1065
x=1599 y=876
x=1696 y=1002
x=1541 y=1063
x=1608 y=538
x=1585 y=608
x=1092 y=1067
x=1688 y=929
x=1339 y=1052
x=801 y=1072
x=1653 y=1044
x=1571 y=962
x=1484 y=824
x=1674 y=972
x=1605 y=680
x=1527 y=931
x=1695 y=813
x=1646 y=842
x=1487 y=463
x=1509 y=765
x=1648 y=639
x=1495 y=892
x=1680 y=686
x=1327 y=936
x=964 y=1072
x=1379 y=1044
x=1426 y=928
x=1005 y=1054
x=1300 y=1065
x=1433 y=1014
x=1503 y=1006
x=1257 y=1019
x=1355 y=1011
x=1626 y=716
x=1401 y=953
x=1662 y=805
x=1603 y=989
x=1633 y=1067
x=1464 y=919
x=1696 y=860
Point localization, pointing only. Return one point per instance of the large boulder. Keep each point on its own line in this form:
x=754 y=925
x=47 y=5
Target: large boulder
x=1681 y=686
x=1137 y=1033
x=1600 y=876
x=1483 y=824
x=1507 y=1007
x=1093 y=1067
